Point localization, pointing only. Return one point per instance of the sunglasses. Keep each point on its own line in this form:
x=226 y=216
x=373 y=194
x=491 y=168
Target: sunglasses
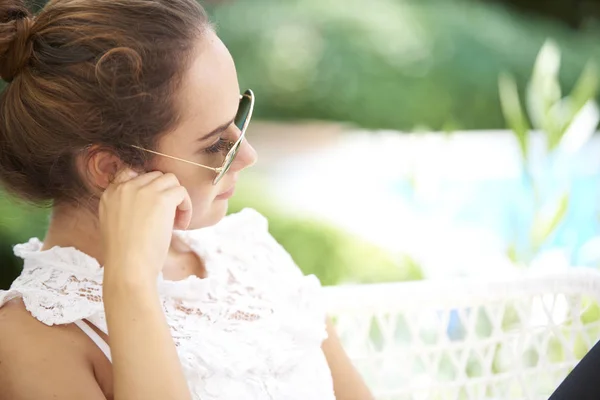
x=242 y=120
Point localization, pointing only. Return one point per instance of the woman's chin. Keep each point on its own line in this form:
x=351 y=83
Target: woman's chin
x=211 y=217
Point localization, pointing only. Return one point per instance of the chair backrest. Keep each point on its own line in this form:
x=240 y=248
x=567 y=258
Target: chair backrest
x=469 y=339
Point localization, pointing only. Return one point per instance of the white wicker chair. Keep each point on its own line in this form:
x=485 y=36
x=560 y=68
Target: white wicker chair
x=472 y=339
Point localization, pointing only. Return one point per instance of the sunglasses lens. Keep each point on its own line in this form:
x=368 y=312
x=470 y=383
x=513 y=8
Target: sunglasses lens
x=228 y=161
x=241 y=121
x=243 y=111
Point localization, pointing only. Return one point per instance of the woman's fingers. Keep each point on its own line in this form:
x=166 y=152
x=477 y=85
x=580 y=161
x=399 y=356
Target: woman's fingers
x=124 y=175
x=147 y=178
x=137 y=215
x=164 y=182
x=161 y=184
x=183 y=213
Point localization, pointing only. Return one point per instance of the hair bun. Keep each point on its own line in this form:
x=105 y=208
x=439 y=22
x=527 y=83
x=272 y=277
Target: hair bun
x=16 y=23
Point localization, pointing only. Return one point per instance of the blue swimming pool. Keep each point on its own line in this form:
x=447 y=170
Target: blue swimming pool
x=508 y=208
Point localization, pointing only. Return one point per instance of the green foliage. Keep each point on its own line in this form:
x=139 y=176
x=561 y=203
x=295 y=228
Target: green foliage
x=548 y=111
x=318 y=248
x=18 y=223
x=513 y=112
x=545 y=223
x=552 y=115
x=388 y=63
x=591 y=311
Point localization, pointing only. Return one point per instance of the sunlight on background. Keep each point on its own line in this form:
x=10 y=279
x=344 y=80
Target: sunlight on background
x=380 y=130
x=405 y=140
x=407 y=146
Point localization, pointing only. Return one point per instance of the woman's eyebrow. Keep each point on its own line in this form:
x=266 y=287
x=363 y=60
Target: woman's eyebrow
x=218 y=130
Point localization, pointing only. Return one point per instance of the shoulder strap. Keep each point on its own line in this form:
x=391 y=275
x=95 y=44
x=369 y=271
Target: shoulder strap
x=102 y=345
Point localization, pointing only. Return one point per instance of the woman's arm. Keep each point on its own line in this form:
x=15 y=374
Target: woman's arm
x=347 y=382
x=145 y=361
x=137 y=215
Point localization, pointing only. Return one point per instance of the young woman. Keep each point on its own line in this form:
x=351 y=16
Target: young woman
x=126 y=115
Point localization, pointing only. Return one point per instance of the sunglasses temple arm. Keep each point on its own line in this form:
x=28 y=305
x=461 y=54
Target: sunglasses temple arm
x=217 y=170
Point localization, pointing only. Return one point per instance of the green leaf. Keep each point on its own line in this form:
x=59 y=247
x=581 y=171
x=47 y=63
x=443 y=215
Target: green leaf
x=544 y=93
x=566 y=111
x=513 y=112
x=585 y=89
x=546 y=221
x=591 y=311
x=512 y=253
x=544 y=90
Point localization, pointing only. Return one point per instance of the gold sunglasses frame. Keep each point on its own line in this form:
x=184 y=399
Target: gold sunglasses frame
x=232 y=151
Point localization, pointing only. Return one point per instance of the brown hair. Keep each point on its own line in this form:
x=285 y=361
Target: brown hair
x=87 y=72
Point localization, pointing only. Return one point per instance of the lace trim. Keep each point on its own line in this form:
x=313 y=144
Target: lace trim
x=255 y=313
x=59 y=285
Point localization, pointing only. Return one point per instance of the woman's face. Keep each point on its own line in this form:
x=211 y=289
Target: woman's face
x=209 y=100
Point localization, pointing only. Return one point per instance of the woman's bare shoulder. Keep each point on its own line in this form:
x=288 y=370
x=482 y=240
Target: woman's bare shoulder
x=13 y=312
x=37 y=361
x=16 y=323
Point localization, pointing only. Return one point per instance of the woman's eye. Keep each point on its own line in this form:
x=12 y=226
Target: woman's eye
x=219 y=146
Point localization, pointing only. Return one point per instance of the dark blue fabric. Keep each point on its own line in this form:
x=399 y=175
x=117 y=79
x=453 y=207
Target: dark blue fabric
x=583 y=383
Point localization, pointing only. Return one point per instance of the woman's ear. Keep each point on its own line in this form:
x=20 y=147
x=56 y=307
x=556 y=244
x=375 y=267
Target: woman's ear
x=99 y=165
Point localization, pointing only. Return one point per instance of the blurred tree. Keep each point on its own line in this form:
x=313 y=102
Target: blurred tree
x=18 y=223
x=10 y=266
x=393 y=64
x=36 y=5
x=389 y=64
x=574 y=13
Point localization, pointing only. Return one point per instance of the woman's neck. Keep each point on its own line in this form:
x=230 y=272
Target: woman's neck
x=79 y=228
x=74 y=227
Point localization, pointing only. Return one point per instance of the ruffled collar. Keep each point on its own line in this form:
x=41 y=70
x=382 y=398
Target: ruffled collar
x=72 y=260
x=254 y=314
x=68 y=258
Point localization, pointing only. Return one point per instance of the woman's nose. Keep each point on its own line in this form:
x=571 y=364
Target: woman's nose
x=246 y=157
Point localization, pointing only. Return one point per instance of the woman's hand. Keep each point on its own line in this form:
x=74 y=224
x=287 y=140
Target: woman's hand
x=137 y=216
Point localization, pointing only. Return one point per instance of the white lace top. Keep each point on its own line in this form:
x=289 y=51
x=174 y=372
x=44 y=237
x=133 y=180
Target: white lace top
x=252 y=329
